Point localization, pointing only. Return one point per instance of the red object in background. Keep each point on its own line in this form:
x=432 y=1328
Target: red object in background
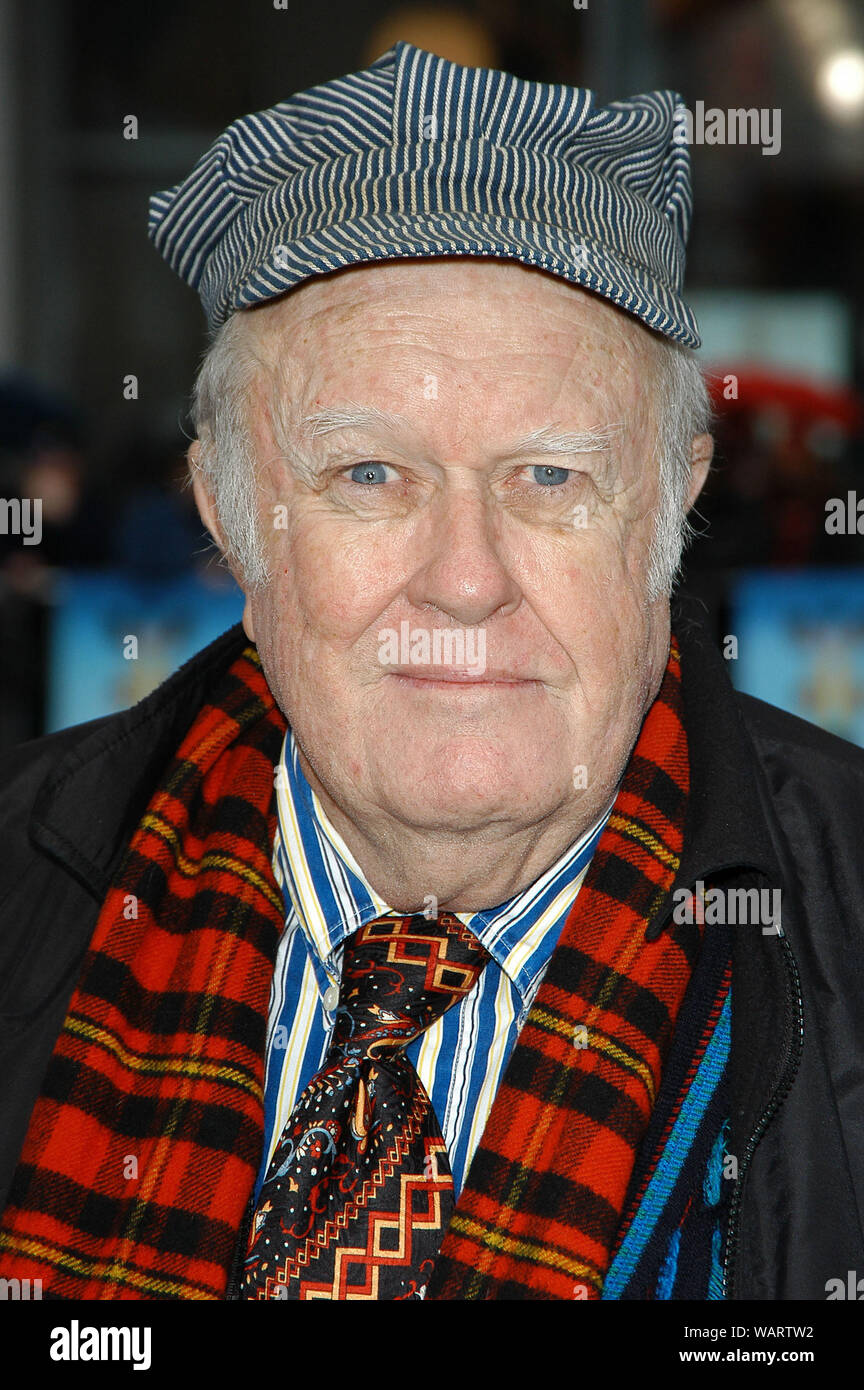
x=783 y=448
x=802 y=400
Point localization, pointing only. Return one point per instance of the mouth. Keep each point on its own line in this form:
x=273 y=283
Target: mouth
x=453 y=677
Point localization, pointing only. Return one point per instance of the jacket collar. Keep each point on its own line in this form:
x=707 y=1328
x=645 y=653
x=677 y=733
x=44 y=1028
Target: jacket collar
x=87 y=810
x=726 y=826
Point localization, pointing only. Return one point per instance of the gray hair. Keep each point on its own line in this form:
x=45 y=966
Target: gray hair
x=226 y=459
x=682 y=411
x=229 y=468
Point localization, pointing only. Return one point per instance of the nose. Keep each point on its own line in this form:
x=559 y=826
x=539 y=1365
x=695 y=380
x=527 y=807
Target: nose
x=462 y=571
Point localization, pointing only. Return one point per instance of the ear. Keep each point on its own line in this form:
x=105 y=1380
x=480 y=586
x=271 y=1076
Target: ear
x=701 y=454
x=248 y=620
x=208 y=514
x=203 y=499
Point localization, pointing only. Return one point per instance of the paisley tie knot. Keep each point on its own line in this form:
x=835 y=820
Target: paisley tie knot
x=399 y=976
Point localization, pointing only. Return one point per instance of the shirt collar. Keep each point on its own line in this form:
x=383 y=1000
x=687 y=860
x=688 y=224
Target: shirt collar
x=326 y=886
x=331 y=896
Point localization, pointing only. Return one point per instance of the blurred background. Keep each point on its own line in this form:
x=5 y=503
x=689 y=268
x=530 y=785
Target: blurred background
x=102 y=104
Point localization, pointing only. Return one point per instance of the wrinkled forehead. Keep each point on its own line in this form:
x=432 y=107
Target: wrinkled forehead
x=515 y=337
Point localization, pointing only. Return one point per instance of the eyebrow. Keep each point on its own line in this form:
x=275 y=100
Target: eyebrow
x=545 y=440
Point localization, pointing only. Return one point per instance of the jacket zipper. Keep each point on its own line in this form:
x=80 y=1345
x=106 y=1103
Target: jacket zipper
x=790 y=1069
x=232 y=1293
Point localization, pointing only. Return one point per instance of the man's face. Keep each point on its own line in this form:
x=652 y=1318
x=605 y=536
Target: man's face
x=439 y=515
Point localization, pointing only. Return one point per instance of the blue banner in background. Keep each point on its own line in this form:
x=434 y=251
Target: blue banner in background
x=113 y=638
x=800 y=636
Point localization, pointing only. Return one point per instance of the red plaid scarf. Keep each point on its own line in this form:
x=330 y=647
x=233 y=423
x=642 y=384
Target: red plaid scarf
x=542 y=1205
x=143 y=1147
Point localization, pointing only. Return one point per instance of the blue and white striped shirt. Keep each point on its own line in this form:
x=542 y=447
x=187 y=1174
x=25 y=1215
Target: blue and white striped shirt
x=461 y=1058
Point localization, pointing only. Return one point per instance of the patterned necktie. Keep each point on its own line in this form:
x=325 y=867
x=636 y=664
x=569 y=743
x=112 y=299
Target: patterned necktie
x=359 y=1191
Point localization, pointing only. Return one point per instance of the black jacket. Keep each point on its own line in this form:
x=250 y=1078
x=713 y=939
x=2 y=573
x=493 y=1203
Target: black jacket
x=769 y=793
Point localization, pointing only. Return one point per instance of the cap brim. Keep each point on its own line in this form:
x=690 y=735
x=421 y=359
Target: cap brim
x=379 y=237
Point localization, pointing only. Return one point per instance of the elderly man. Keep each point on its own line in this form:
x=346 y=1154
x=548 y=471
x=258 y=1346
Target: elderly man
x=452 y=931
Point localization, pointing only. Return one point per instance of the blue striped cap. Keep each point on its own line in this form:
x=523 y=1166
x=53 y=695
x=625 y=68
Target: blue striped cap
x=418 y=156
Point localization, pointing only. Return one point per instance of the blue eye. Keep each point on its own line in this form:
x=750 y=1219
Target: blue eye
x=549 y=476
x=369 y=473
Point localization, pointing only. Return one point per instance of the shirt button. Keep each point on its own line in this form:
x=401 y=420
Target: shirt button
x=331 y=998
